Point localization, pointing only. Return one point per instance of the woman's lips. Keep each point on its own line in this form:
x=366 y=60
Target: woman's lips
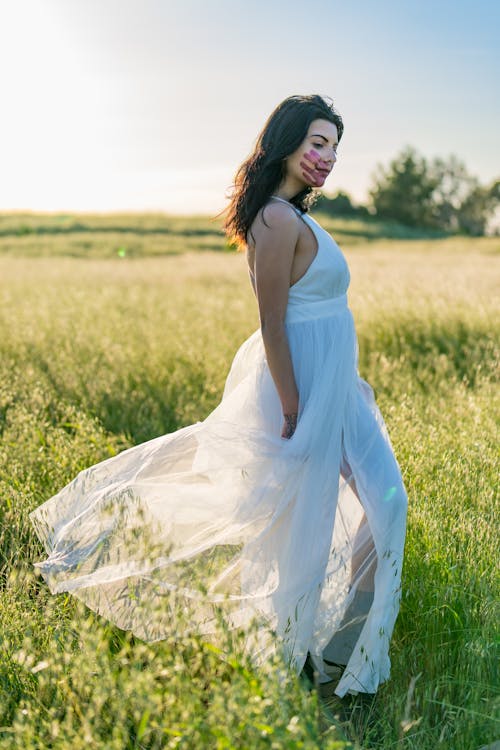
x=319 y=168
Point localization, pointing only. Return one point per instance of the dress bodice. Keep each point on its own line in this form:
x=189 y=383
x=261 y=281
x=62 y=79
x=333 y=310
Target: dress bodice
x=328 y=273
x=326 y=279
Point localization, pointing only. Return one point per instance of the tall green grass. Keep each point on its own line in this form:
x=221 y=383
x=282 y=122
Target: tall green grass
x=102 y=351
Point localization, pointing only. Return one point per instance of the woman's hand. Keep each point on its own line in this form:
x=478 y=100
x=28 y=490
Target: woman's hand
x=289 y=425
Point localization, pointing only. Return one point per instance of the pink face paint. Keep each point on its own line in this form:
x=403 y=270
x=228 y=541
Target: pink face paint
x=312 y=171
x=312 y=154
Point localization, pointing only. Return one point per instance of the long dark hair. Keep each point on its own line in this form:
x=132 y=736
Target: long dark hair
x=262 y=172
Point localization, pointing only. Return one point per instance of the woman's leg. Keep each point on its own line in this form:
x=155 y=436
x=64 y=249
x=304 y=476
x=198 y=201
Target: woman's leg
x=376 y=477
x=363 y=565
x=363 y=562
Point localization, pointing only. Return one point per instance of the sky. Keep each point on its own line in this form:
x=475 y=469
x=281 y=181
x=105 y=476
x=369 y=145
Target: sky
x=151 y=105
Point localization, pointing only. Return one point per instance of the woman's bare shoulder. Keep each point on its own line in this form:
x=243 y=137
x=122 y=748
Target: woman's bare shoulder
x=270 y=217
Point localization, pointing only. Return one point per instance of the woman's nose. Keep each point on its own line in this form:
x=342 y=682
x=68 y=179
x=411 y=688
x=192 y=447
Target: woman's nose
x=329 y=161
x=331 y=158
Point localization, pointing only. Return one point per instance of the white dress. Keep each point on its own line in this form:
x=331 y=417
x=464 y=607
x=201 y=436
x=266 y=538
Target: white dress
x=274 y=525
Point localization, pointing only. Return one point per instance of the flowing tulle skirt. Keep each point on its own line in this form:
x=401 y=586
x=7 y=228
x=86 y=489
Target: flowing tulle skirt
x=306 y=534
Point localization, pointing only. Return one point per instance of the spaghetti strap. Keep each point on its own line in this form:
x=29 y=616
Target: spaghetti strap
x=297 y=210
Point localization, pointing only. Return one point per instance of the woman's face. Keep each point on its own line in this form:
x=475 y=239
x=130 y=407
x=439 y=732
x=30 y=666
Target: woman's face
x=313 y=161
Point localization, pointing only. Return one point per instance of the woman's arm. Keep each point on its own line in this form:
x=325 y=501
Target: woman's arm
x=274 y=253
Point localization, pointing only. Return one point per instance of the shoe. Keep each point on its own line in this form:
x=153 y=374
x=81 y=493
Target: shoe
x=334 y=664
x=333 y=669
x=327 y=689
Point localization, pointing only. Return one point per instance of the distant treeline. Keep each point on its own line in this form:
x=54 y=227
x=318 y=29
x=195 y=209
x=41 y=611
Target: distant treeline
x=437 y=194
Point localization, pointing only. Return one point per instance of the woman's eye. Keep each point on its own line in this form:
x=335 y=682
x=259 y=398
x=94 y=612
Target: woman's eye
x=320 y=145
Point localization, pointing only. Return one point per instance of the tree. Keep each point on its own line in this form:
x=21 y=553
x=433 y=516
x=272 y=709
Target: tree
x=339 y=205
x=478 y=207
x=453 y=186
x=404 y=191
x=438 y=194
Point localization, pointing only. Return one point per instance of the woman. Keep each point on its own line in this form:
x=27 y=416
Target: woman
x=287 y=497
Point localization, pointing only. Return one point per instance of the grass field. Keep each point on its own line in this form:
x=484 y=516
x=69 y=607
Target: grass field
x=114 y=330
